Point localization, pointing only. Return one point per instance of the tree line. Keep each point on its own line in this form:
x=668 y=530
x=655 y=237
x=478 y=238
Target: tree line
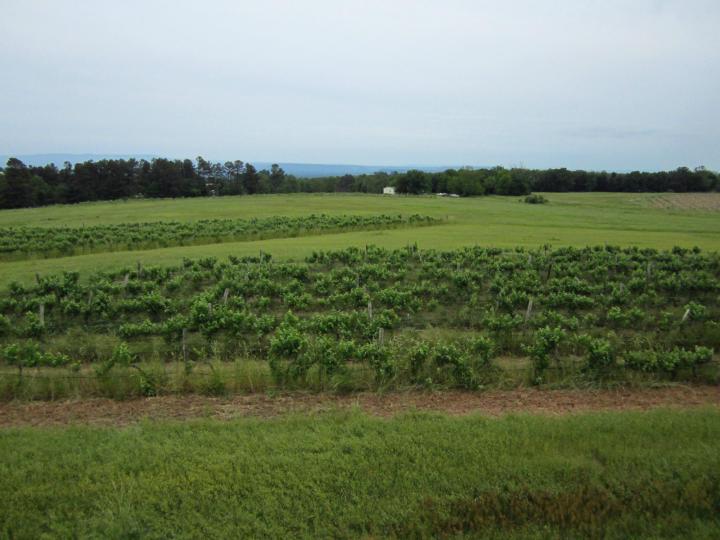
x=26 y=186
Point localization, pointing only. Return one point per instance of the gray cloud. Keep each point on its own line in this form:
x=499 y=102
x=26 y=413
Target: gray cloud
x=577 y=83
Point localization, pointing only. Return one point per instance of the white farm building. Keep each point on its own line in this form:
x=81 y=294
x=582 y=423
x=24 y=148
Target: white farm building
x=389 y=190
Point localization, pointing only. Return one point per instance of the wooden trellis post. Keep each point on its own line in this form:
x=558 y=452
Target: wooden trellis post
x=549 y=272
x=528 y=311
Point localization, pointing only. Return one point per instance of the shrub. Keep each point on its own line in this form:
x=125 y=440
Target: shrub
x=122 y=355
x=534 y=198
x=379 y=359
x=600 y=356
x=696 y=312
x=21 y=356
x=668 y=362
x=289 y=345
x=33 y=325
x=483 y=349
x=5 y=325
x=55 y=359
x=451 y=355
x=325 y=353
x=287 y=342
x=418 y=356
x=545 y=344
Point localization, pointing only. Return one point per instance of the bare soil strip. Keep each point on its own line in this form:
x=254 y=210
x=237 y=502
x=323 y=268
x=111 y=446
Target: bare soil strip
x=106 y=412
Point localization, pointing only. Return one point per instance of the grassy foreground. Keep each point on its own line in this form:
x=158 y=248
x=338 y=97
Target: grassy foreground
x=349 y=475
x=571 y=219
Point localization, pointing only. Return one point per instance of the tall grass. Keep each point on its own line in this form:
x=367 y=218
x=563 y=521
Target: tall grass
x=346 y=475
x=250 y=375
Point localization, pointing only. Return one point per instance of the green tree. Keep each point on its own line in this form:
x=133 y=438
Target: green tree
x=250 y=179
x=276 y=177
x=507 y=183
x=413 y=181
x=18 y=189
x=345 y=183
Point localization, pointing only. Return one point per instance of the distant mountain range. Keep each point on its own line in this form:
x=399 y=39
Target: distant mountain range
x=297 y=169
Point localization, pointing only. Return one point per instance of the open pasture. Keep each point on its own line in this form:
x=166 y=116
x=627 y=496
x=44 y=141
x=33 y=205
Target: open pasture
x=571 y=219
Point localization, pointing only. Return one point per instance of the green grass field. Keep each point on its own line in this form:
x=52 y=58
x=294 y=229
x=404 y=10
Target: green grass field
x=571 y=219
x=343 y=475
x=349 y=475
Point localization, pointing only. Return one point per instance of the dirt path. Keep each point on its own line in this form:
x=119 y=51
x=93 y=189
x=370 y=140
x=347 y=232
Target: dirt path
x=493 y=403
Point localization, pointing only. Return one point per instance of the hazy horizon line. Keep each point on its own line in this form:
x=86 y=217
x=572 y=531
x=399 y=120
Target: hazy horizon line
x=379 y=166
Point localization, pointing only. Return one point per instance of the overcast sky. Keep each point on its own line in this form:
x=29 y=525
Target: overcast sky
x=597 y=84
